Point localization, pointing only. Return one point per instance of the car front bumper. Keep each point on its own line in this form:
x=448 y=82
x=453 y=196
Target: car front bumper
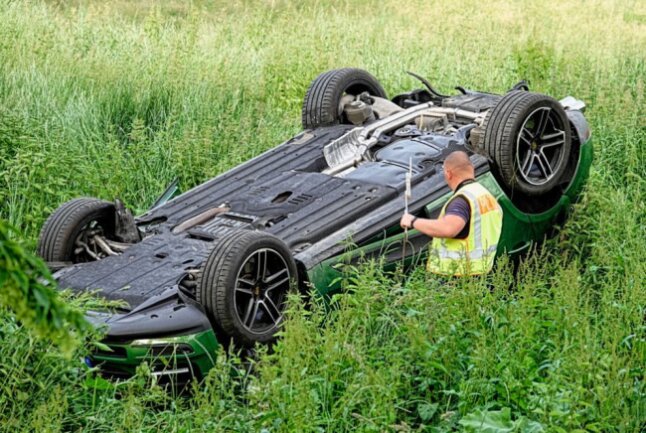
x=169 y=332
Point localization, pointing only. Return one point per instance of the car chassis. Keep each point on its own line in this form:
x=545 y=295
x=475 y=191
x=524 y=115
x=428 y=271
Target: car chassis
x=214 y=264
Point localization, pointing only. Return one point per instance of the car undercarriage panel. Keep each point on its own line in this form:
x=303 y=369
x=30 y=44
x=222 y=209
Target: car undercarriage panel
x=302 y=153
x=283 y=192
x=146 y=269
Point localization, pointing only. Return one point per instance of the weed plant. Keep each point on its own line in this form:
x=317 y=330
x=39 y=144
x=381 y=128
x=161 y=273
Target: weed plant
x=117 y=98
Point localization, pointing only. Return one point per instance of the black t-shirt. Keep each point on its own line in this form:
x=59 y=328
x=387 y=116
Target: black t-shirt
x=460 y=206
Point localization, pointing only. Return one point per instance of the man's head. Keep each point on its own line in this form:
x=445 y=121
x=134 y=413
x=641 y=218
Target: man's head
x=457 y=168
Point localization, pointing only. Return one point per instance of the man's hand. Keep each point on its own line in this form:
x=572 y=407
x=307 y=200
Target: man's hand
x=448 y=226
x=406 y=220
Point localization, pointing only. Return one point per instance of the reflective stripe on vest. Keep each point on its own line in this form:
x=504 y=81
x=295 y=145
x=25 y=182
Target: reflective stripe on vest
x=475 y=254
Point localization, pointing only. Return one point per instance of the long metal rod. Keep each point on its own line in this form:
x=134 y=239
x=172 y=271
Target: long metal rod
x=408 y=194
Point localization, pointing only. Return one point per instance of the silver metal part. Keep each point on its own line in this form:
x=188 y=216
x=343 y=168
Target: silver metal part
x=104 y=246
x=348 y=150
x=426 y=122
x=344 y=151
x=571 y=103
x=118 y=247
x=351 y=148
x=358 y=112
x=383 y=107
x=345 y=99
x=393 y=122
x=82 y=246
x=199 y=219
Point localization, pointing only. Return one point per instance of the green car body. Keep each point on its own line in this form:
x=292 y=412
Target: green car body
x=193 y=355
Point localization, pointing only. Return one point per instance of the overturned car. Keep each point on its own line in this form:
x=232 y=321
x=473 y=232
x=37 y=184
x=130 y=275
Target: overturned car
x=214 y=265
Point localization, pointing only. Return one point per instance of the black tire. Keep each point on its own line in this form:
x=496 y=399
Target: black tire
x=63 y=228
x=321 y=106
x=242 y=303
x=522 y=136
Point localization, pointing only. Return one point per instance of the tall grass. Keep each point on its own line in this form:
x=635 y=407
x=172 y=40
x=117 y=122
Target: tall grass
x=117 y=98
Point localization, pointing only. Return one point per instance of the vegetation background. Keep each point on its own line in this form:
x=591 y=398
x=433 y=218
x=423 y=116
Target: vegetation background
x=116 y=98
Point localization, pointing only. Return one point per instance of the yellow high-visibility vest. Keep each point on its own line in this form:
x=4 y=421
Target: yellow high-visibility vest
x=475 y=254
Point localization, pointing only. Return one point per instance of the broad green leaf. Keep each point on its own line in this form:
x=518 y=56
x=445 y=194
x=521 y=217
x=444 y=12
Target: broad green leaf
x=427 y=410
x=488 y=421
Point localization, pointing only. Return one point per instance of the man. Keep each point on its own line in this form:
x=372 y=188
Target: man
x=466 y=234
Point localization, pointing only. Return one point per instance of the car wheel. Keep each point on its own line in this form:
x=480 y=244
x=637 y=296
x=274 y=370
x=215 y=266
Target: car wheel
x=68 y=235
x=528 y=137
x=243 y=285
x=323 y=104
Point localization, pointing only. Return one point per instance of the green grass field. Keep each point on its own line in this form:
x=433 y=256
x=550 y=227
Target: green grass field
x=116 y=98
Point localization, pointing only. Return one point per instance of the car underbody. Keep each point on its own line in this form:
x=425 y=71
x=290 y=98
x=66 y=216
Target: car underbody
x=329 y=187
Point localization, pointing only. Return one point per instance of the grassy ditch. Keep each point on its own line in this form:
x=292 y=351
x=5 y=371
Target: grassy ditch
x=115 y=99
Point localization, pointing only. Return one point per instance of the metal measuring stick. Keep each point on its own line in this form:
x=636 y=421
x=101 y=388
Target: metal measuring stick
x=408 y=194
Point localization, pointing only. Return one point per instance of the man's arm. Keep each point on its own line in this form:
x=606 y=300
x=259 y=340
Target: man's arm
x=449 y=226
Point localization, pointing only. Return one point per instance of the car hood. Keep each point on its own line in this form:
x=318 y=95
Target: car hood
x=165 y=315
